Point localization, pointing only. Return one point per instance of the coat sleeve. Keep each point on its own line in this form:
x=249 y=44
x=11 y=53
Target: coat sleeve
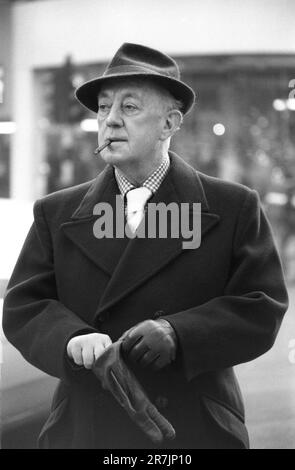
x=243 y=323
x=34 y=320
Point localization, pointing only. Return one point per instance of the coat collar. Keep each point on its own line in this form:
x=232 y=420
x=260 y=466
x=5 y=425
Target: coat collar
x=181 y=179
x=129 y=263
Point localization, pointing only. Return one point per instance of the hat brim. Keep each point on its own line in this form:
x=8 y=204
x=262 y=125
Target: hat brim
x=87 y=93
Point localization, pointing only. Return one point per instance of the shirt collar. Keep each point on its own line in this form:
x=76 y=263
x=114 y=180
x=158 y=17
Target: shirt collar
x=152 y=182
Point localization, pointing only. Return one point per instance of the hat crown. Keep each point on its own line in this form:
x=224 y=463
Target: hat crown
x=140 y=62
x=143 y=58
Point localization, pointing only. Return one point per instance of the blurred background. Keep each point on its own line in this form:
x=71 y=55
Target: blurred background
x=239 y=56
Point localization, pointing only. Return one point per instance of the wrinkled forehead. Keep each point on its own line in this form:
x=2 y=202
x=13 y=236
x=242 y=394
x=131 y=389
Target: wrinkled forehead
x=139 y=88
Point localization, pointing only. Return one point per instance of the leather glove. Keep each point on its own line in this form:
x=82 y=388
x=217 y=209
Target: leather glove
x=116 y=377
x=151 y=343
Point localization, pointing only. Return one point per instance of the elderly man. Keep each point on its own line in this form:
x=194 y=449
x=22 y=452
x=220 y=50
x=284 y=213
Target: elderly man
x=186 y=316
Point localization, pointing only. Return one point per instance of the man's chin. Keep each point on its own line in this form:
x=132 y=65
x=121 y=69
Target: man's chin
x=114 y=157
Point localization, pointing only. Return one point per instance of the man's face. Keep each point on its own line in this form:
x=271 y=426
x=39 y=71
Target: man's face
x=133 y=114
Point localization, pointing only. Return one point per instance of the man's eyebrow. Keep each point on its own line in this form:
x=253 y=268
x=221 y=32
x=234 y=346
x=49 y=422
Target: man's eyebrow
x=131 y=94
x=128 y=94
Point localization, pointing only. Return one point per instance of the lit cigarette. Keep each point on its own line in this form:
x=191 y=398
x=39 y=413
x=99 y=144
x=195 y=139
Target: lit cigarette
x=103 y=146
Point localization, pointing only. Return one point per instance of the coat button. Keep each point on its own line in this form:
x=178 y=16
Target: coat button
x=159 y=313
x=161 y=402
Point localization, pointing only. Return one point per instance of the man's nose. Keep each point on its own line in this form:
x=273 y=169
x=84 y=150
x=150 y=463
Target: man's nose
x=114 y=117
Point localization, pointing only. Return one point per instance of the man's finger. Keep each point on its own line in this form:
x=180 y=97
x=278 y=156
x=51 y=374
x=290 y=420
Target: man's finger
x=107 y=341
x=98 y=350
x=160 y=362
x=137 y=351
x=147 y=358
x=76 y=353
x=130 y=341
x=88 y=357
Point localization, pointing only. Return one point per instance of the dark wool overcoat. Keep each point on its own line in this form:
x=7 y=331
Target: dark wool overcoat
x=225 y=300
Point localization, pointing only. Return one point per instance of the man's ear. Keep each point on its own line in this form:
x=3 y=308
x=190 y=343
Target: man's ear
x=172 y=124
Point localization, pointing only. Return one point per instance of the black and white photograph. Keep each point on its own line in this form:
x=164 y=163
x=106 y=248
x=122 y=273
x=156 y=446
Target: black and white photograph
x=147 y=241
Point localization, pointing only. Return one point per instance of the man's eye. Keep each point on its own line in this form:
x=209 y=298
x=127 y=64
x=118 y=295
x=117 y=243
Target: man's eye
x=103 y=108
x=129 y=108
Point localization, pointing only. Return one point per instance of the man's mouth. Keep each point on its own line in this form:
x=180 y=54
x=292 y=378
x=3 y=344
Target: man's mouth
x=116 y=139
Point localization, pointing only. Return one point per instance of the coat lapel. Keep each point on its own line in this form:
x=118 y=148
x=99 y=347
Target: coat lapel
x=144 y=257
x=104 y=252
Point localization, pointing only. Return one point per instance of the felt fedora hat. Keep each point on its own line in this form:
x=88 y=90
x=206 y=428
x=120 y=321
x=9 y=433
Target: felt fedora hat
x=135 y=60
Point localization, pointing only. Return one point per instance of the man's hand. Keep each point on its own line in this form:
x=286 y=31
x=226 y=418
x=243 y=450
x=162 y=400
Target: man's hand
x=150 y=343
x=85 y=349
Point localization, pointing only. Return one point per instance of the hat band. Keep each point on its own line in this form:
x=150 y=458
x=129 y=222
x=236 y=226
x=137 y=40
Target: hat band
x=126 y=69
